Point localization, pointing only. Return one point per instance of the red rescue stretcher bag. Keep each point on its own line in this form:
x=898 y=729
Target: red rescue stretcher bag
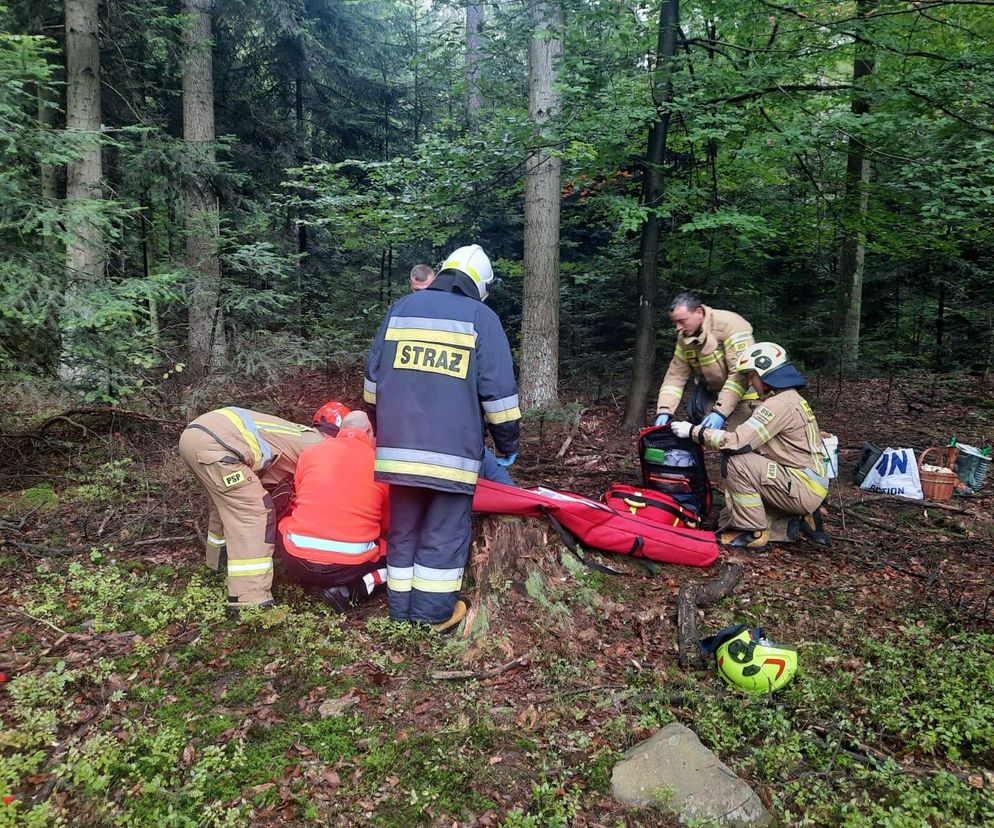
x=649 y=504
x=675 y=466
x=599 y=526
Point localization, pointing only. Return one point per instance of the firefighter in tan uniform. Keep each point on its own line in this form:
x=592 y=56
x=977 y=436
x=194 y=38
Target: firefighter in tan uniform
x=709 y=343
x=775 y=476
x=235 y=453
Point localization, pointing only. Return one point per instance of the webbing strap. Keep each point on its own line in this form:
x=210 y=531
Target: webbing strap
x=569 y=541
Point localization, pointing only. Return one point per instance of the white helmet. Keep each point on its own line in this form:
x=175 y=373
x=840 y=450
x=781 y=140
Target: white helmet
x=762 y=357
x=472 y=261
x=772 y=364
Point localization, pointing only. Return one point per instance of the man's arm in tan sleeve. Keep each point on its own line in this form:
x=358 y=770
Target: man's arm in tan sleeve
x=735 y=386
x=671 y=391
x=767 y=420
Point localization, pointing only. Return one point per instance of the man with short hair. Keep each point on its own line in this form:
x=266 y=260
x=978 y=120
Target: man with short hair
x=422 y=275
x=708 y=345
x=334 y=536
x=774 y=468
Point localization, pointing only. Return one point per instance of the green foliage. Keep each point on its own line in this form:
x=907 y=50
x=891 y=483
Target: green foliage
x=552 y=807
x=872 y=692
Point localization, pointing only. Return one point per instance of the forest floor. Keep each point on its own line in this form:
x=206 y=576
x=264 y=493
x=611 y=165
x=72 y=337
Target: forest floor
x=128 y=697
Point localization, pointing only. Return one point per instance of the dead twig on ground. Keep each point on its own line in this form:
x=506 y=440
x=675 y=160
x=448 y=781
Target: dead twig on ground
x=462 y=675
x=49 y=624
x=571 y=435
x=904 y=501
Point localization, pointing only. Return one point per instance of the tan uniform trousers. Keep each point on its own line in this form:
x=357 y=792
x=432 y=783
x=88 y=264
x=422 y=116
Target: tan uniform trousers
x=762 y=494
x=241 y=517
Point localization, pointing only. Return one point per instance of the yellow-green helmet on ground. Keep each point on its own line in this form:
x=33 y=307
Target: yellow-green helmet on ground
x=749 y=661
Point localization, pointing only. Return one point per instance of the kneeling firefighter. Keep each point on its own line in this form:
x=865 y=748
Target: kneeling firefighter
x=237 y=455
x=774 y=468
x=439 y=368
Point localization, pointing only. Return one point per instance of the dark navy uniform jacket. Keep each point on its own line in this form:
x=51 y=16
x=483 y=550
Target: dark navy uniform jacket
x=439 y=368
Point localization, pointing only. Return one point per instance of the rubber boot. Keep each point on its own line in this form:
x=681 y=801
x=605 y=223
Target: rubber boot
x=458 y=614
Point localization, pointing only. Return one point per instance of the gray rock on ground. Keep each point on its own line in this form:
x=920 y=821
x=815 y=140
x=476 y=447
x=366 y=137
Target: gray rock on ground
x=674 y=771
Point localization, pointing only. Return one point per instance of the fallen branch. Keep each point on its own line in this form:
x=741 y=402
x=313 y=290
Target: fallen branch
x=150 y=541
x=572 y=434
x=59 y=630
x=693 y=597
x=66 y=416
x=931 y=504
x=462 y=675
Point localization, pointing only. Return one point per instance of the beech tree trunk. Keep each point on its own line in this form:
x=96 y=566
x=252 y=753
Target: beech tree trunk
x=85 y=254
x=205 y=339
x=852 y=255
x=475 y=18
x=644 y=357
x=539 y=369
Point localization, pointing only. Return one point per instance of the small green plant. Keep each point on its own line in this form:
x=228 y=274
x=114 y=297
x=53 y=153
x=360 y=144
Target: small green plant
x=552 y=807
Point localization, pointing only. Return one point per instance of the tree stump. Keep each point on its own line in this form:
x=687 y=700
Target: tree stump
x=693 y=597
x=505 y=549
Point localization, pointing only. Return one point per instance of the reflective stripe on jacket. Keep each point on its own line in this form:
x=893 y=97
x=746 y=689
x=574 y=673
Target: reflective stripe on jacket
x=339 y=513
x=784 y=429
x=712 y=355
x=268 y=445
x=439 y=370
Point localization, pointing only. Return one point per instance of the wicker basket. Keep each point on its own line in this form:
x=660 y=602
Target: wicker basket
x=938 y=485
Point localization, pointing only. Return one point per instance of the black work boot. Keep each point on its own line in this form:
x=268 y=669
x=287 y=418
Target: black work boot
x=812 y=528
x=336 y=597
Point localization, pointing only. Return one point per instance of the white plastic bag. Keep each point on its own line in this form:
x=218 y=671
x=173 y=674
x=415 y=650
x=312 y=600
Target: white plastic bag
x=895 y=473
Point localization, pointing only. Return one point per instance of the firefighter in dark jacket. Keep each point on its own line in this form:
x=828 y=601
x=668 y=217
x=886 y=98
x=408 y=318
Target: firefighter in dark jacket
x=439 y=368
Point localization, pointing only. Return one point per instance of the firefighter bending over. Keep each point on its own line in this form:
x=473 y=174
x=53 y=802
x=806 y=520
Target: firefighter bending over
x=709 y=343
x=775 y=476
x=237 y=455
x=439 y=367
x=334 y=536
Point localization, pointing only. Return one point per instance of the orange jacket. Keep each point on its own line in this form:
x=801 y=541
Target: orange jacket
x=339 y=514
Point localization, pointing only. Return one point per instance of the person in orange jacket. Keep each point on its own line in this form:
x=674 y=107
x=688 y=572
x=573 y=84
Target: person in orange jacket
x=334 y=536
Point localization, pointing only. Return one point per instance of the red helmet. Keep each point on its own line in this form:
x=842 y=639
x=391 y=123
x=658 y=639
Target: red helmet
x=328 y=418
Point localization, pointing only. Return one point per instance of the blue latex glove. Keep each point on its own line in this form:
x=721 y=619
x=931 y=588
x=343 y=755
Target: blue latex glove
x=662 y=419
x=713 y=420
x=507 y=461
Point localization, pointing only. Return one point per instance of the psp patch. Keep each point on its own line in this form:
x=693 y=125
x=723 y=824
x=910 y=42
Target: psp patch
x=763 y=415
x=807 y=410
x=771 y=471
x=233 y=479
x=434 y=358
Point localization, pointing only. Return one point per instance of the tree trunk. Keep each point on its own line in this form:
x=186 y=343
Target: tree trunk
x=205 y=339
x=475 y=18
x=852 y=255
x=539 y=369
x=644 y=357
x=85 y=255
x=47 y=112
